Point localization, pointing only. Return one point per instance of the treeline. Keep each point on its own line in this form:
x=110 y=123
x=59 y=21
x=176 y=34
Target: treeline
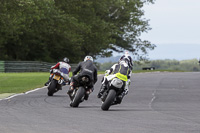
x=46 y=30
x=183 y=65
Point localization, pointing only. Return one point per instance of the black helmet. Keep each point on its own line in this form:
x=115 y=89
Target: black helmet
x=66 y=60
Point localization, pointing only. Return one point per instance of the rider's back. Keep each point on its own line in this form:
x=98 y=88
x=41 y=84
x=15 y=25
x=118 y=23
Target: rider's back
x=87 y=68
x=121 y=68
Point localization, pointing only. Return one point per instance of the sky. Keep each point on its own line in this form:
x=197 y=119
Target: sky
x=175 y=29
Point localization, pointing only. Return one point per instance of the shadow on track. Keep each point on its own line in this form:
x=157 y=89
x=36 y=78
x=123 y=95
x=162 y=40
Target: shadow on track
x=83 y=107
x=128 y=109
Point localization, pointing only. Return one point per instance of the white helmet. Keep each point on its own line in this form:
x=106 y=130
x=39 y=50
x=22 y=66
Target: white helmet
x=88 y=58
x=66 y=60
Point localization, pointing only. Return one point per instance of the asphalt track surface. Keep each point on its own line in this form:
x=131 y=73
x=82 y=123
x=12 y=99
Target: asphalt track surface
x=156 y=103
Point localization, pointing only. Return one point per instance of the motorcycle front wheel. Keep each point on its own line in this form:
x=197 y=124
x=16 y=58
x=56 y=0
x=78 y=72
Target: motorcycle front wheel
x=109 y=100
x=78 y=97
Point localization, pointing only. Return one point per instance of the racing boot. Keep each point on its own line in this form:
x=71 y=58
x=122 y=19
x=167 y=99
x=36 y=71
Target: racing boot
x=69 y=92
x=71 y=88
x=102 y=90
x=88 y=93
x=47 y=83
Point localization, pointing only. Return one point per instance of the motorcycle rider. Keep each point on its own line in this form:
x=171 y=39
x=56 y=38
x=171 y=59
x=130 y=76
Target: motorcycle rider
x=84 y=68
x=64 y=67
x=124 y=67
x=126 y=55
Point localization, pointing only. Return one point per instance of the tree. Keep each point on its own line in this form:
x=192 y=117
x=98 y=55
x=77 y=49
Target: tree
x=47 y=30
x=129 y=24
x=109 y=25
x=36 y=30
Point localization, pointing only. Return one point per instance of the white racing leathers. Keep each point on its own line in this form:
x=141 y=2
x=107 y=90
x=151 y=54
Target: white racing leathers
x=64 y=68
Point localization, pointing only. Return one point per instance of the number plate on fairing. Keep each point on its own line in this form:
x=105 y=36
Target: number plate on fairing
x=56 y=77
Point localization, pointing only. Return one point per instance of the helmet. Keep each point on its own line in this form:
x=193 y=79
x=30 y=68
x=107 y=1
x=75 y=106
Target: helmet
x=127 y=58
x=88 y=58
x=125 y=55
x=66 y=60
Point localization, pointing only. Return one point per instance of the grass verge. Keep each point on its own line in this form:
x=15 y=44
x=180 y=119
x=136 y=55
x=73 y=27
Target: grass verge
x=21 y=82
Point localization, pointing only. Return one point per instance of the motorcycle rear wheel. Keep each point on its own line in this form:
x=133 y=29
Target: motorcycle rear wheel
x=52 y=88
x=109 y=100
x=78 y=97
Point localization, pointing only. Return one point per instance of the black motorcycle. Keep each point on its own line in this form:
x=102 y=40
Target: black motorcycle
x=56 y=82
x=111 y=95
x=80 y=92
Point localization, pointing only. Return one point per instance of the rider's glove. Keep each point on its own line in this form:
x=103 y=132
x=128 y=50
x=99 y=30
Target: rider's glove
x=128 y=82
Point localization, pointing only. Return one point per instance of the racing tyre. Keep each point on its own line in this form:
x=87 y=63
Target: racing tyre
x=78 y=97
x=109 y=100
x=52 y=88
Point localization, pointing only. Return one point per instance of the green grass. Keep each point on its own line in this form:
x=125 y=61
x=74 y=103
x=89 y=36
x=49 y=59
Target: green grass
x=21 y=82
x=101 y=72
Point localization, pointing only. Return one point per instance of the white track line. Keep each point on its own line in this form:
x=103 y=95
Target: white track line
x=9 y=97
x=152 y=100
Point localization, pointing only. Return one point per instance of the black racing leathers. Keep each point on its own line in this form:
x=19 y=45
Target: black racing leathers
x=85 y=68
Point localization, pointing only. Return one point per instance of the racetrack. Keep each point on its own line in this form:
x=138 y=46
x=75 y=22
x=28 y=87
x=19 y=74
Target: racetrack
x=156 y=103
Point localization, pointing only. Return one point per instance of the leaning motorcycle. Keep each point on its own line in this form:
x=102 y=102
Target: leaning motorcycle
x=114 y=88
x=79 y=93
x=56 y=82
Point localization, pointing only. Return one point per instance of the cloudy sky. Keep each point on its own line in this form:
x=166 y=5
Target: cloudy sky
x=175 y=29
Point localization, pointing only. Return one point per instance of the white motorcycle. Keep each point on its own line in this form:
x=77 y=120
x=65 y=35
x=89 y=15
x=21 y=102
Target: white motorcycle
x=114 y=88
